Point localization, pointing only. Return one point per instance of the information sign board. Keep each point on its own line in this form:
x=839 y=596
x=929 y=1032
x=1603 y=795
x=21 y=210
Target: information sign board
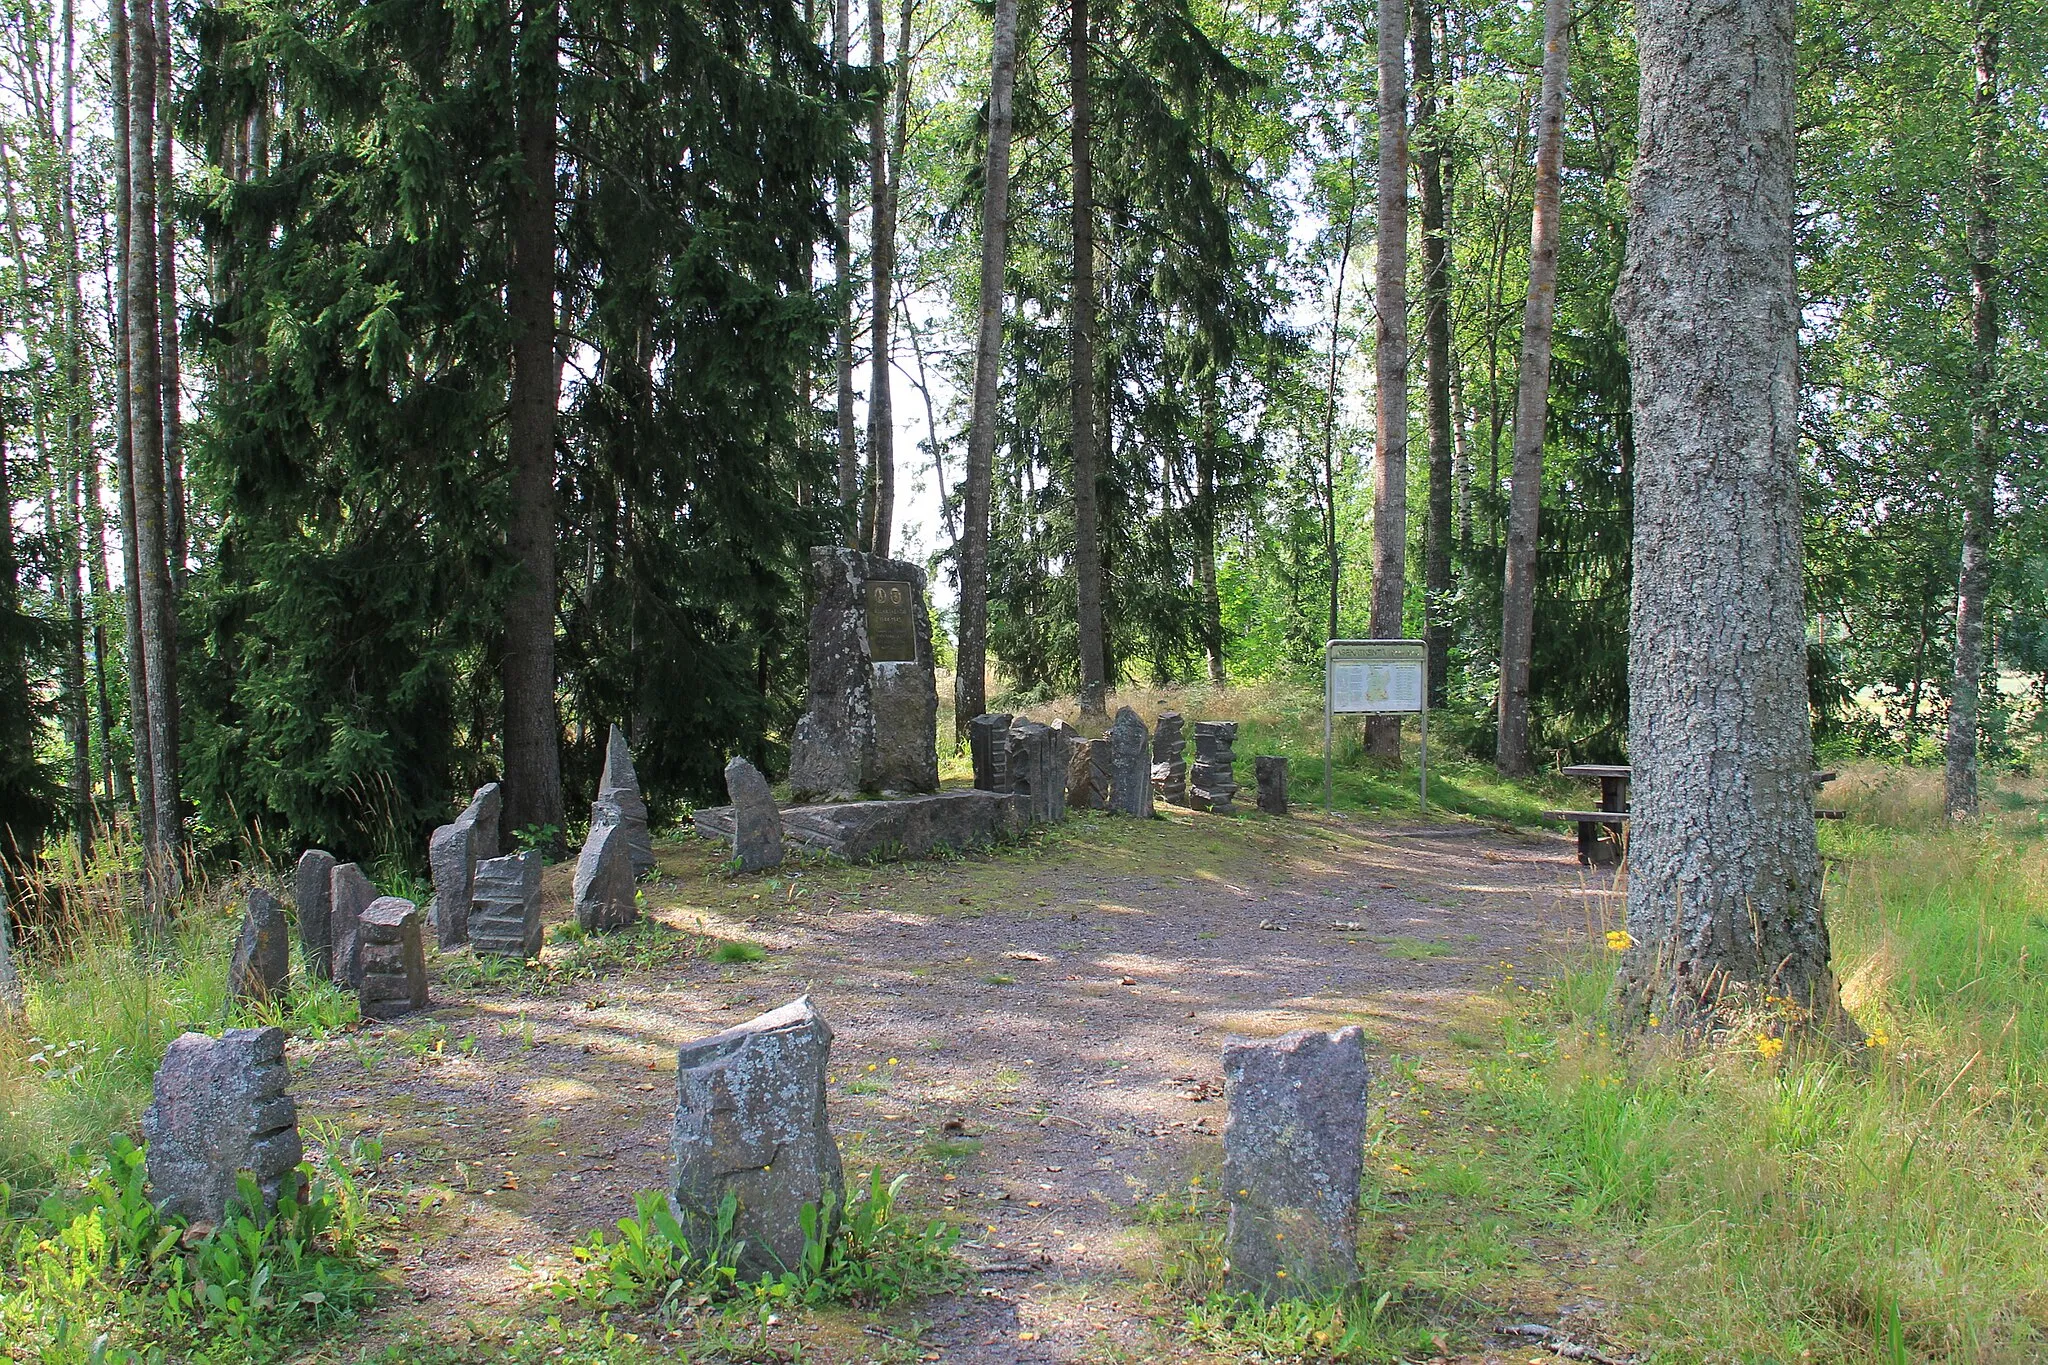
x=1376 y=678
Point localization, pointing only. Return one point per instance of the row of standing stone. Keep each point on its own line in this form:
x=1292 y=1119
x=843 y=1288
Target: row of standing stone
x=1125 y=772
x=1293 y=1147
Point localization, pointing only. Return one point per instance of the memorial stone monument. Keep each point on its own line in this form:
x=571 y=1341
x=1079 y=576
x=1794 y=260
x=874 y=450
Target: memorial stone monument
x=872 y=723
x=620 y=803
x=1293 y=1151
x=1215 y=781
x=751 y=1122
x=312 y=889
x=1130 y=765
x=1169 y=760
x=504 y=911
x=219 y=1108
x=393 y=960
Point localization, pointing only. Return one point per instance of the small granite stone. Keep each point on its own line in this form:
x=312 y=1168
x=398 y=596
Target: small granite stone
x=219 y=1108
x=313 y=891
x=263 y=952
x=757 y=824
x=1130 y=765
x=605 y=897
x=1272 y=775
x=988 y=746
x=394 y=960
x=751 y=1122
x=1169 y=760
x=504 y=907
x=1293 y=1152
x=620 y=803
x=349 y=894
x=1037 y=768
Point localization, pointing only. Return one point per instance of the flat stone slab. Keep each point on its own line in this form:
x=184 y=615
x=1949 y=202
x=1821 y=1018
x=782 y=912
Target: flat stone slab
x=751 y=1124
x=219 y=1108
x=899 y=827
x=1293 y=1152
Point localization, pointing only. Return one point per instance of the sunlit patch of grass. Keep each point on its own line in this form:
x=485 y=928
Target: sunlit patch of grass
x=1415 y=949
x=735 y=951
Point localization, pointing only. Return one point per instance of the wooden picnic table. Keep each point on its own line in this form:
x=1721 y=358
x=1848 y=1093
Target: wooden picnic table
x=1613 y=812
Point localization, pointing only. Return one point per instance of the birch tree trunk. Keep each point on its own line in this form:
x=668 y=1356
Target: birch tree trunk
x=1390 y=435
x=533 y=727
x=1436 y=355
x=1081 y=362
x=970 y=679
x=1532 y=405
x=1724 y=877
x=1973 y=585
x=1335 y=567
x=842 y=262
x=145 y=401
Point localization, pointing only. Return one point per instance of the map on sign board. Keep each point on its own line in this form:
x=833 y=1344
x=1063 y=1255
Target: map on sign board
x=1375 y=679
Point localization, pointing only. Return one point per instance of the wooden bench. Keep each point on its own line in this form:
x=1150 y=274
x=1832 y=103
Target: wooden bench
x=1592 y=848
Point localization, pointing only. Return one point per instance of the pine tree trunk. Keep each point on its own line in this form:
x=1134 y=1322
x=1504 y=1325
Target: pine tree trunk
x=1532 y=403
x=842 y=262
x=886 y=169
x=124 y=439
x=167 y=308
x=1081 y=363
x=1436 y=356
x=970 y=681
x=1724 y=875
x=1973 y=585
x=1390 y=437
x=1332 y=564
x=1461 y=460
x=533 y=728
x=145 y=401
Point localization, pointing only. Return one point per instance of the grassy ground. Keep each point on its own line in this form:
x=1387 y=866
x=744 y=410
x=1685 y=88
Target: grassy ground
x=1723 y=1205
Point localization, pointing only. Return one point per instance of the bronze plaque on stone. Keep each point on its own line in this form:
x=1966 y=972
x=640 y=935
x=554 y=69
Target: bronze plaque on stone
x=892 y=621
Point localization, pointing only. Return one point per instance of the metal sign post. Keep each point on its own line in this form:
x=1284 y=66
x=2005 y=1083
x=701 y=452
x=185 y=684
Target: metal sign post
x=1376 y=678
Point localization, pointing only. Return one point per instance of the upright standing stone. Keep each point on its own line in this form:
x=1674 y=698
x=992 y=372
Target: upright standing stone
x=757 y=824
x=1130 y=765
x=394 y=960
x=219 y=1109
x=504 y=910
x=1038 y=768
x=313 y=890
x=486 y=803
x=619 y=802
x=263 y=952
x=1215 y=777
x=1272 y=774
x=1293 y=1151
x=1101 y=774
x=872 y=725
x=349 y=894
x=1169 y=760
x=751 y=1122
x=605 y=896
x=988 y=746
x=1081 y=793
x=451 y=857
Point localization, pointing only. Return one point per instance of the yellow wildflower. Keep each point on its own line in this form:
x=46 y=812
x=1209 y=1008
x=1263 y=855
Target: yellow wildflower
x=1768 y=1047
x=1619 y=941
x=1878 y=1039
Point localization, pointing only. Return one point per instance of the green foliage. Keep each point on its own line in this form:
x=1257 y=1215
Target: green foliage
x=867 y=1253
x=734 y=951
x=645 y=945
x=105 y=1278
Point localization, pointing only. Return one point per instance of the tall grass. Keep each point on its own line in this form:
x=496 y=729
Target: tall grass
x=1887 y=1208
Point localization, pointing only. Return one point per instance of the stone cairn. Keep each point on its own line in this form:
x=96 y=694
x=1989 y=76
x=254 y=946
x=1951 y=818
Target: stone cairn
x=263 y=953
x=313 y=891
x=619 y=802
x=220 y=1108
x=1272 y=774
x=750 y=1122
x=756 y=822
x=1293 y=1151
x=453 y=854
x=1130 y=765
x=1169 y=760
x=349 y=893
x=1215 y=782
x=605 y=897
x=394 y=960
x=504 y=908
